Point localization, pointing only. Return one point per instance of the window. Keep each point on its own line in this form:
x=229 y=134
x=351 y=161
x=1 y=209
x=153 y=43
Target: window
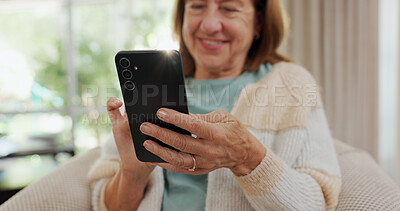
x=388 y=87
x=57 y=68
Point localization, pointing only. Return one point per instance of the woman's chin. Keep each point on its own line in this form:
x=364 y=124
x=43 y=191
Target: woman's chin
x=211 y=62
x=211 y=66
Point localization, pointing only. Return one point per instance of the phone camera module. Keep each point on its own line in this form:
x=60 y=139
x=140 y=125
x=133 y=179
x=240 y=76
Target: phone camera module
x=129 y=85
x=124 y=62
x=127 y=74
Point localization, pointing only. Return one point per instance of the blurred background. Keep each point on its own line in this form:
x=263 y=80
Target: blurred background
x=57 y=72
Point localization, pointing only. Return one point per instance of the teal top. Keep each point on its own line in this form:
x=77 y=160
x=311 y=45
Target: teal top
x=188 y=192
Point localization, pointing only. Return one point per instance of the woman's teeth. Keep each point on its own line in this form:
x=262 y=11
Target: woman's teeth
x=211 y=42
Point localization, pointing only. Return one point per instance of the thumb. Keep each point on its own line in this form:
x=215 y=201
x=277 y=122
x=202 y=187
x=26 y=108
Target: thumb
x=113 y=105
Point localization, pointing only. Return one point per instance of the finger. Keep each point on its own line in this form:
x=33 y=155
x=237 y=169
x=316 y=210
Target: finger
x=218 y=116
x=177 y=169
x=179 y=141
x=181 y=159
x=188 y=122
x=113 y=105
x=201 y=162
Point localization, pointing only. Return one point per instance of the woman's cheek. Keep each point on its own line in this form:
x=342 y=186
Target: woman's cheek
x=188 y=34
x=190 y=24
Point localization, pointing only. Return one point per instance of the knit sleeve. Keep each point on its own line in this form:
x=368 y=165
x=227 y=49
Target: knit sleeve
x=312 y=182
x=300 y=170
x=101 y=172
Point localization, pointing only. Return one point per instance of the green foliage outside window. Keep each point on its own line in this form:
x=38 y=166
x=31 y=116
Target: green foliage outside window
x=39 y=35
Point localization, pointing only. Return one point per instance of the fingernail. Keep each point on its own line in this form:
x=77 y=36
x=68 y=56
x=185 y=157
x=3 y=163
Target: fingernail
x=145 y=128
x=148 y=146
x=162 y=114
x=116 y=101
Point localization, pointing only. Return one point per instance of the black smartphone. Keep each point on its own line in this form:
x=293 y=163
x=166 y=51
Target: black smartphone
x=150 y=80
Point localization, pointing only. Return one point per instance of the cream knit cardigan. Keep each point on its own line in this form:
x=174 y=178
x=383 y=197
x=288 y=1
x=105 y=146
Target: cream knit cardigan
x=299 y=172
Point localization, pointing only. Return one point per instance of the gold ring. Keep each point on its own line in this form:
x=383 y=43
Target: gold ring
x=194 y=164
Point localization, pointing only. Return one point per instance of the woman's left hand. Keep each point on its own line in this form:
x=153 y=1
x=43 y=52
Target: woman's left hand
x=221 y=142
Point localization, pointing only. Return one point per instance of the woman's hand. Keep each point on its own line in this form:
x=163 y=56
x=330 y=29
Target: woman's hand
x=221 y=142
x=126 y=189
x=123 y=139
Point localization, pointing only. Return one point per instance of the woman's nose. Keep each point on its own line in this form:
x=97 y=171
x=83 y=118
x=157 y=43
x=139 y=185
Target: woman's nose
x=211 y=23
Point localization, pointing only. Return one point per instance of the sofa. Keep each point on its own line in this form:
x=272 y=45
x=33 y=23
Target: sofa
x=365 y=186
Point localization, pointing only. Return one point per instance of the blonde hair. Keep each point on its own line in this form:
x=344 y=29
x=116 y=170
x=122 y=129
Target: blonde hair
x=274 y=23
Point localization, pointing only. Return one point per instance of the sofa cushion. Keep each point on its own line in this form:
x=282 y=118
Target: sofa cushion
x=364 y=185
x=65 y=188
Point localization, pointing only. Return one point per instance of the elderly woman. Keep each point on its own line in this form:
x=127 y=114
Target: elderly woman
x=262 y=142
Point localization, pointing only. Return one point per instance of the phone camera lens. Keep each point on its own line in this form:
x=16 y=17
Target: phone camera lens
x=127 y=74
x=124 y=62
x=129 y=85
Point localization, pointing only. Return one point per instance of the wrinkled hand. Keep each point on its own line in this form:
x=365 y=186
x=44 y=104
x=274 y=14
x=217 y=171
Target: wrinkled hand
x=123 y=139
x=221 y=142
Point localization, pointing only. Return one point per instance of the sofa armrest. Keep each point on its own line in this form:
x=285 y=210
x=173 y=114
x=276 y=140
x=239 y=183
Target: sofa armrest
x=65 y=188
x=364 y=184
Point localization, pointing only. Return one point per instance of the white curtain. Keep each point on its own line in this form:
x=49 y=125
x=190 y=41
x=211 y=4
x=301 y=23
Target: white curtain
x=337 y=41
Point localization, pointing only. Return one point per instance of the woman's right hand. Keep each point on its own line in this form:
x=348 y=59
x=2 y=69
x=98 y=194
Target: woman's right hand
x=123 y=140
x=125 y=190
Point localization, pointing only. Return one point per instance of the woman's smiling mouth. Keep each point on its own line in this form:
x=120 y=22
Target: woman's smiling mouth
x=212 y=44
